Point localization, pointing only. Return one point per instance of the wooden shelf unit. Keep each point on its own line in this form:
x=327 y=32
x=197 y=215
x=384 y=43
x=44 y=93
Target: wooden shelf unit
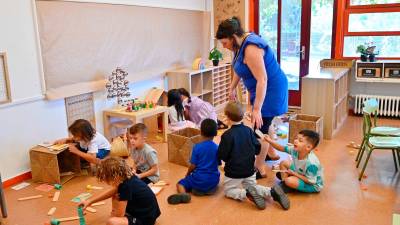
x=210 y=84
x=325 y=93
x=385 y=71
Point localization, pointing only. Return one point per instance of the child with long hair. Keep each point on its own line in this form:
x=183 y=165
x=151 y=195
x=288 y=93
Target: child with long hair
x=133 y=202
x=176 y=111
x=196 y=109
x=93 y=146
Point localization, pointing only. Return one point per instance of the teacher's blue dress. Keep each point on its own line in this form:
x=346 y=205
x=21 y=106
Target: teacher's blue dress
x=276 y=98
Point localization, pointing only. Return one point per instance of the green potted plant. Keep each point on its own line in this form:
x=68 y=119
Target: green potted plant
x=215 y=55
x=363 y=51
x=371 y=53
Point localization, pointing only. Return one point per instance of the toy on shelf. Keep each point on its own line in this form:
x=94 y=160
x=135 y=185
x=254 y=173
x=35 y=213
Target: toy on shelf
x=149 y=102
x=117 y=85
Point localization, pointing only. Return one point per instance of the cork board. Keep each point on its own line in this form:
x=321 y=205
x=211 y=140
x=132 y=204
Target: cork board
x=80 y=107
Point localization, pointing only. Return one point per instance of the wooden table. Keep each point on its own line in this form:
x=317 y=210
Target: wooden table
x=135 y=117
x=47 y=165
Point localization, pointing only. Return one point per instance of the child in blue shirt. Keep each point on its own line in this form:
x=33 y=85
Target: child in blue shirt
x=304 y=172
x=202 y=177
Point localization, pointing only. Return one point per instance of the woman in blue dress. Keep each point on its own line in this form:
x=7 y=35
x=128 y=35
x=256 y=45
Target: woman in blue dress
x=254 y=62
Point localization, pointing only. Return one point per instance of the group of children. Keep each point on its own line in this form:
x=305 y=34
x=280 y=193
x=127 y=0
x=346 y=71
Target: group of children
x=135 y=203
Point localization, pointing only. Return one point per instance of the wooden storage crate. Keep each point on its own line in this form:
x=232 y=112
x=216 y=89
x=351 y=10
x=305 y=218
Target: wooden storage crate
x=302 y=122
x=180 y=145
x=47 y=166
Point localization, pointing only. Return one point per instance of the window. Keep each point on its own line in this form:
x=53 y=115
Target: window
x=372 y=21
x=372 y=2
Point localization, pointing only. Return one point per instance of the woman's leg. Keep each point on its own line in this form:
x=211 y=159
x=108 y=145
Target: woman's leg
x=260 y=159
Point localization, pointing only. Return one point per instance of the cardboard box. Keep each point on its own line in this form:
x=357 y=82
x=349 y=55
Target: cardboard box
x=180 y=145
x=302 y=122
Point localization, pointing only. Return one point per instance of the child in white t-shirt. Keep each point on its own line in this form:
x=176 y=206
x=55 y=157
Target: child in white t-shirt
x=93 y=146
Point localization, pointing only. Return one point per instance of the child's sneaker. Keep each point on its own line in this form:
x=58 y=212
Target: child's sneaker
x=252 y=195
x=179 y=198
x=279 y=195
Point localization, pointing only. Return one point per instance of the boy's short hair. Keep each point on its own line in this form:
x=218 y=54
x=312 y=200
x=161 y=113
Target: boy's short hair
x=208 y=128
x=311 y=136
x=138 y=128
x=113 y=169
x=234 y=111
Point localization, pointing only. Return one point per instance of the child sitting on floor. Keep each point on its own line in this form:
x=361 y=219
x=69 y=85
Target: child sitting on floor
x=238 y=148
x=202 y=177
x=92 y=145
x=133 y=202
x=176 y=112
x=304 y=173
x=144 y=156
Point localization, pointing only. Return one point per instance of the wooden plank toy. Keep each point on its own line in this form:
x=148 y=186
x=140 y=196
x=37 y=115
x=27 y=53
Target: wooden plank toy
x=58 y=221
x=90 y=209
x=51 y=211
x=30 y=197
x=56 y=196
x=90 y=187
x=98 y=203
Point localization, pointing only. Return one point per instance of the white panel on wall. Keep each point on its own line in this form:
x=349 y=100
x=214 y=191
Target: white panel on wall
x=24 y=126
x=18 y=40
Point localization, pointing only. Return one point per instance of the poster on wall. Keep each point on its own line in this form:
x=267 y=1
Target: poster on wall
x=80 y=107
x=4 y=81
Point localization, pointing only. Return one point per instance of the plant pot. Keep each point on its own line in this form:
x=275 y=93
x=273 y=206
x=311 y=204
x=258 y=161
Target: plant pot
x=372 y=58
x=215 y=62
x=364 y=58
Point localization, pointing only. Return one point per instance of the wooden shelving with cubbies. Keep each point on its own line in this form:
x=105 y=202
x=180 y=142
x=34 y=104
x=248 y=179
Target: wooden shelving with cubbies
x=211 y=84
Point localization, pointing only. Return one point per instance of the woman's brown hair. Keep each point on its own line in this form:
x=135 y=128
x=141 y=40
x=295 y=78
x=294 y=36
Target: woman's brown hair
x=83 y=129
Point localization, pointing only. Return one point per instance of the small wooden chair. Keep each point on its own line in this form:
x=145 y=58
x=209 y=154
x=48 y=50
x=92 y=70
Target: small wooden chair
x=119 y=128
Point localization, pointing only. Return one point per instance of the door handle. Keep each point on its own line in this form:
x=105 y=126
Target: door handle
x=302 y=52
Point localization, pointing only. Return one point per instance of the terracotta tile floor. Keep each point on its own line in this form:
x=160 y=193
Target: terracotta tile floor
x=342 y=201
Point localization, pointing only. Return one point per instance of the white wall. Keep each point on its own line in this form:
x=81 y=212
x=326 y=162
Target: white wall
x=29 y=119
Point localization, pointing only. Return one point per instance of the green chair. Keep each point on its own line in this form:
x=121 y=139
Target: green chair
x=370 y=107
x=372 y=142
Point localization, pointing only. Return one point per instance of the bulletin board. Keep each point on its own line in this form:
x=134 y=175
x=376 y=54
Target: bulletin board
x=80 y=107
x=4 y=81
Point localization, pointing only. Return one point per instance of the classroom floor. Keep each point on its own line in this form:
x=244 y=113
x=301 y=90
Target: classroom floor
x=343 y=200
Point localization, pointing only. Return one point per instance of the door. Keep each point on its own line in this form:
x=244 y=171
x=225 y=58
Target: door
x=289 y=26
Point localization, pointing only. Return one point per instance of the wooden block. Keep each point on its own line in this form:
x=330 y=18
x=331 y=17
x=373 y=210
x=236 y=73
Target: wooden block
x=30 y=197
x=56 y=196
x=51 y=211
x=68 y=218
x=98 y=203
x=90 y=209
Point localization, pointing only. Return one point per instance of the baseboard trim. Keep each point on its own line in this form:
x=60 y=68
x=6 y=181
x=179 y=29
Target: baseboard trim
x=17 y=179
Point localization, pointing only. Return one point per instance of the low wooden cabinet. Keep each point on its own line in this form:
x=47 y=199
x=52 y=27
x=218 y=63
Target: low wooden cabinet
x=325 y=93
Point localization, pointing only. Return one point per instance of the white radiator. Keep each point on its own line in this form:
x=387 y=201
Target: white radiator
x=388 y=105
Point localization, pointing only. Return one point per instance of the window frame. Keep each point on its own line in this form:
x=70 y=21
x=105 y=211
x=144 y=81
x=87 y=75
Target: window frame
x=360 y=9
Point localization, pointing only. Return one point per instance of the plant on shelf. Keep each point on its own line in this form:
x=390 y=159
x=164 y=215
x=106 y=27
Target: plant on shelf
x=215 y=56
x=363 y=51
x=367 y=51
